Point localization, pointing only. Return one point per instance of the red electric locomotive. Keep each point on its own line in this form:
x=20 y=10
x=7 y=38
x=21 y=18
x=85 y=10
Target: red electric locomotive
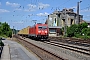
x=39 y=31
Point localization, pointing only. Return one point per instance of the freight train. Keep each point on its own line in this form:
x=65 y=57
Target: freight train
x=38 y=31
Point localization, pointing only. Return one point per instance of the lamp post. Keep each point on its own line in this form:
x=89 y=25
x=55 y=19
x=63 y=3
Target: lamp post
x=12 y=32
x=78 y=19
x=65 y=25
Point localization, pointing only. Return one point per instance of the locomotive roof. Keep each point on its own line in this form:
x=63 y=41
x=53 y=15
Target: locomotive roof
x=38 y=24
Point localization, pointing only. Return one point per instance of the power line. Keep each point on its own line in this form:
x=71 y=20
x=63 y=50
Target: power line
x=64 y=3
x=60 y=5
x=32 y=1
x=86 y=8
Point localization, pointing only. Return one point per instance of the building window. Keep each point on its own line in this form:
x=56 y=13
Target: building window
x=55 y=20
x=52 y=30
x=71 y=21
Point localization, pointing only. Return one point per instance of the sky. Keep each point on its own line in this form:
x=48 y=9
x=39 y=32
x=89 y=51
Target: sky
x=23 y=13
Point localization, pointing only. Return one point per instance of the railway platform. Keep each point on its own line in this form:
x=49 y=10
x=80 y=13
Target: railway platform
x=14 y=51
x=5 y=53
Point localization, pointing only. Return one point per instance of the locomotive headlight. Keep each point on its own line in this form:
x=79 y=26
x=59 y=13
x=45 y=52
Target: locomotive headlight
x=39 y=31
x=45 y=31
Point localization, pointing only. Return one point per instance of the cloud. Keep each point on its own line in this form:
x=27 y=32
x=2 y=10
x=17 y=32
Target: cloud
x=18 y=9
x=74 y=7
x=33 y=7
x=29 y=10
x=18 y=22
x=87 y=16
x=12 y=4
x=85 y=10
x=43 y=14
x=3 y=10
x=42 y=6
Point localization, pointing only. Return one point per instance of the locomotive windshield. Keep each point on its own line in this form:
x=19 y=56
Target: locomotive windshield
x=42 y=27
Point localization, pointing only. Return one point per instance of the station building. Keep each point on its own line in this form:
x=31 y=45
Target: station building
x=59 y=19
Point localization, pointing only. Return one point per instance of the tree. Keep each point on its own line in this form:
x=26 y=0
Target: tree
x=5 y=29
x=0 y=28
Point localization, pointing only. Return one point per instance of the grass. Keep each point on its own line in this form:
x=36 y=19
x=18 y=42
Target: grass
x=81 y=37
x=3 y=36
x=84 y=37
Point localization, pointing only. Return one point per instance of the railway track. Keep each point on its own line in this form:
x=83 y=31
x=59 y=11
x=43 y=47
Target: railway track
x=78 y=49
x=79 y=42
x=42 y=53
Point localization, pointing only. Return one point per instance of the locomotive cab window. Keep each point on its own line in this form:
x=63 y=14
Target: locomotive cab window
x=42 y=27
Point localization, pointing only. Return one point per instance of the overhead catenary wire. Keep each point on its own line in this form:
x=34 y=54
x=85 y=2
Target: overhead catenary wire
x=86 y=8
x=58 y=8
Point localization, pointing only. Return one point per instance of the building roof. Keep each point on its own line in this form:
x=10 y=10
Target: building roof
x=68 y=11
x=87 y=21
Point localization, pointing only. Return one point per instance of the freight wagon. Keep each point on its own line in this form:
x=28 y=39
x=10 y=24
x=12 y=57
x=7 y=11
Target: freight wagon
x=24 y=32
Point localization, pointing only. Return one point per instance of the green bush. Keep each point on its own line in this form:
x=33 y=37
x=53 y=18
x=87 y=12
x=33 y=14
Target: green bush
x=77 y=30
x=77 y=35
x=88 y=31
x=72 y=30
x=88 y=37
